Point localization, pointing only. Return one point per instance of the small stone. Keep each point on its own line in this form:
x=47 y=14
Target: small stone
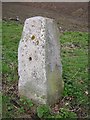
x=66 y=103
x=86 y=92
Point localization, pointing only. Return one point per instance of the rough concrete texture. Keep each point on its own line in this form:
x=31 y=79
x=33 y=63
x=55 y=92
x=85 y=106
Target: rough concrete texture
x=39 y=62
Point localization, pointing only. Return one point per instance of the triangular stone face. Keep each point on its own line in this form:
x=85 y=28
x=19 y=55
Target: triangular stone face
x=39 y=62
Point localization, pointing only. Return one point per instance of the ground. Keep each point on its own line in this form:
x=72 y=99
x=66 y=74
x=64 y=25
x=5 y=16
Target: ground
x=69 y=16
x=74 y=51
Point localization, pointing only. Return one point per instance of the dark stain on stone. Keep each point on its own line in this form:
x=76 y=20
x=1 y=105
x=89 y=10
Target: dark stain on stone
x=43 y=46
x=43 y=30
x=25 y=45
x=32 y=25
x=43 y=54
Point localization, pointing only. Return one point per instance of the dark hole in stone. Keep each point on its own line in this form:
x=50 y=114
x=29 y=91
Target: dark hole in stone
x=30 y=58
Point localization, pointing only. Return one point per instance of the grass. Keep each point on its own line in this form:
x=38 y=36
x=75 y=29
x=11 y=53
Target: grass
x=0 y=69
x=74 y=50
x=75 y=70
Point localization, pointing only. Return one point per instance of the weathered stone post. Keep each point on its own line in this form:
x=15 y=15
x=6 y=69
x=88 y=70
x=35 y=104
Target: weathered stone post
x=39 y=62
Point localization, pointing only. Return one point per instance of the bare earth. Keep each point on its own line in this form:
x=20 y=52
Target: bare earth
x=69 y=16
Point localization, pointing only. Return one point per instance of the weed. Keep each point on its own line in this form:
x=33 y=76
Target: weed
x=43 y=111
x=27 y=102
x=65 y=113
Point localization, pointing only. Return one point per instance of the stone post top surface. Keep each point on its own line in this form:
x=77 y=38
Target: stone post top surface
x=39 y=17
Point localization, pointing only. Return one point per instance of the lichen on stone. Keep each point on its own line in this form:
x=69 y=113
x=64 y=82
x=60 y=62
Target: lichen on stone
x=37 y=42
x=33 y=37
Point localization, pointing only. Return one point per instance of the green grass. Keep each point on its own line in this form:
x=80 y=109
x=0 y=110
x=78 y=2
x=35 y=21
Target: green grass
x=0 y=105
x=74 y=52
x=11 y=37
x=74 y=48
x=75 y=64
x=0 y=69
